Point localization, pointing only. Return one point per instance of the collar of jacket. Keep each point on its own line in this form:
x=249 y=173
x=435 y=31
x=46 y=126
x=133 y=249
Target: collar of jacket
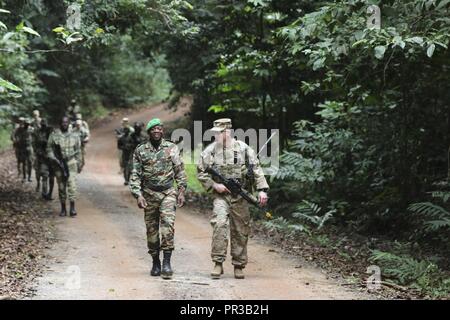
x=163 y=144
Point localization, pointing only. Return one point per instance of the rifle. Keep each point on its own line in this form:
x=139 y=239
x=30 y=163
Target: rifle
x=234 y=186
x=62 y=164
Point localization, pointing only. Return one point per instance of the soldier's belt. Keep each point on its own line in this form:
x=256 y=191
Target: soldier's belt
x=158 y=187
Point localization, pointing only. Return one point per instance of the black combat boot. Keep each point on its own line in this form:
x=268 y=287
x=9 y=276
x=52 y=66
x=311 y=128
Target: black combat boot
x=73 y=212
x=29 y=174
x=63 y=212
x=50 y=191
x=156 y=267
x=44 y=188
x=38 y=185
x=166 y=272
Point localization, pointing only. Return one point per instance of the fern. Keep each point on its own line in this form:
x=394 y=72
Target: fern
x=283 y=225
x=424 y=276
x=310 y=212
x=437 y=217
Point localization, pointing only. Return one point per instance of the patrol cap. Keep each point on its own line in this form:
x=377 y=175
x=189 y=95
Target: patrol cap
x=78 y=116
x=78 y=122
x=21 y=119
x=221 y=125
x=36 y=112
x=125 y=120
x=153 y=123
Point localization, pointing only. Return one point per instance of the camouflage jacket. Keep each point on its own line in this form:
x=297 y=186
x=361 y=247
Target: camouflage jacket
x=137 y=139
x=126 y=143
x=83 y=134
x=156 y=167
x=69 y=142
x=24 y=138
x=232 y=162
x=36 y=123
x=120 y=132
x=40 y=139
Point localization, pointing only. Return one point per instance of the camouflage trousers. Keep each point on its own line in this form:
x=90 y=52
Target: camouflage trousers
x=67 y=188
x=83 y=155
x=231 y=216
x=41 y=167
x=160 y=219
x=25 y=159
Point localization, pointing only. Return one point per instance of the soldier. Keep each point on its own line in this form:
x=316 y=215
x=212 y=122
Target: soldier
x=126 y=146
x=156 y=164
x=84 y=124
x=137 y=137
x=14 y=140
x=84 y=138
x=72 y=110
x=36 y=122
x=64 y=150
x=119 y=133
x=43 y=167
x=24 y=141
x=232 y=158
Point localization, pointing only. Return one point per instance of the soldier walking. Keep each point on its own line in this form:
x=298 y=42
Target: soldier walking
x=125 y=144
x=84 y=138
x=156 y=164
x=44 y=170
x=233 y=159
x=24 y=142
x=14 y=141
x=119 y=133
x=64 y=150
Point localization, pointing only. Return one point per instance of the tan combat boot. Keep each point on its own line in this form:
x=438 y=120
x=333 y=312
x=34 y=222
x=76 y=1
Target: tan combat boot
x=217 y=271
x=238 y=272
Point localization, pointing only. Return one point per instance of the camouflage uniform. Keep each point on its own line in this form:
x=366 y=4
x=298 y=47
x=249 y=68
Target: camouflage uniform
x=70 y=145
x=14 y=143
x=153 y=174
x=127 y=146
x=84 y=135
x=137 y=138
x=230 y=214
x=43 y=167
x=24 y=143
x=119 y=134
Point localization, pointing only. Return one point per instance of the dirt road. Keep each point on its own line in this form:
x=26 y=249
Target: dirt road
x=102 y=254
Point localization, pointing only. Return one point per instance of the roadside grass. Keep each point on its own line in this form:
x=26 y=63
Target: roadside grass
x=191 y=171
x=5 y=140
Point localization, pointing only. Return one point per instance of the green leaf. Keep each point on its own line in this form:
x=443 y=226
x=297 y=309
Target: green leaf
x=430 y=50
x=216 y=108
x=3 y=26
x=442 y=4
x=74 y=37
x=4 y=11
x=418 y=40
x=379 y=52
x=8 y=85
x=30 y=31
x=58 y=29
x=262 y=3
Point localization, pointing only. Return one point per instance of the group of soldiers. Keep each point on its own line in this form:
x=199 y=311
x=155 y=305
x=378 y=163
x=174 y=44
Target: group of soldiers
x=154 y=170
x=53 y=153
x=158 y=181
